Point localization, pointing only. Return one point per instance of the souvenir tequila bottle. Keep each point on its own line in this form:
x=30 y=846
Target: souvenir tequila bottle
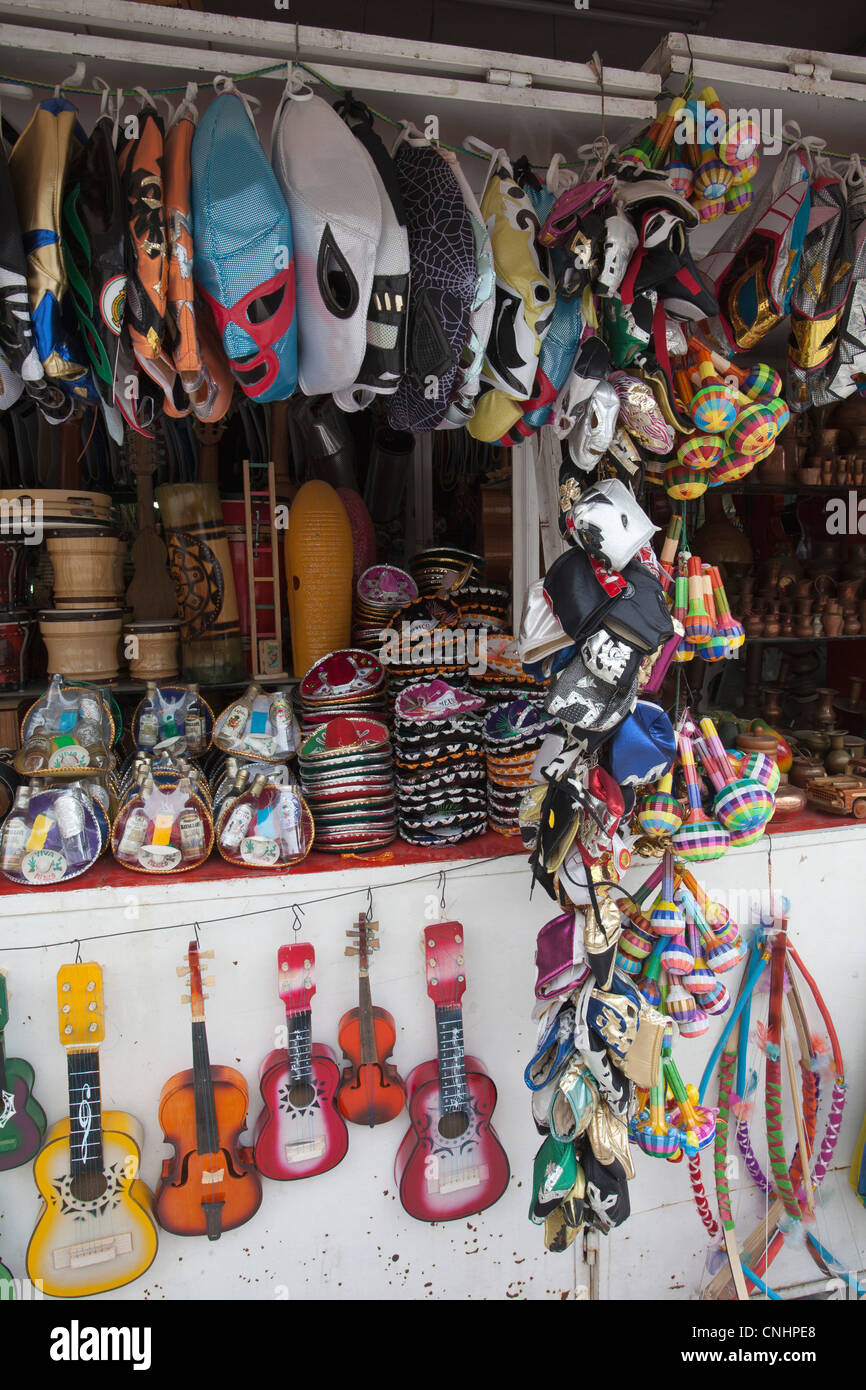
x=194 y=726
x=148 y=724
x=16 y=830
x=238 y=716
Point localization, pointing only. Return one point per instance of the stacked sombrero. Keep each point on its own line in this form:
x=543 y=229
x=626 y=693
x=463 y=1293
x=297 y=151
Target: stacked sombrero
x=439 y=756
x=348 y=682
x=445 y=567
x=381 y=592
x=426 y=642
x=502 y=676
x=513 y=733
x=347 y=775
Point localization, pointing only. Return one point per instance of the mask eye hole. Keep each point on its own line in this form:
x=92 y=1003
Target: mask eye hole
x=337 y=284
x=264 y=308
x=624 y=519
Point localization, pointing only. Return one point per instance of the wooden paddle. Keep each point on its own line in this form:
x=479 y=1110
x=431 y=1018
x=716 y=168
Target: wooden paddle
x=151 y=593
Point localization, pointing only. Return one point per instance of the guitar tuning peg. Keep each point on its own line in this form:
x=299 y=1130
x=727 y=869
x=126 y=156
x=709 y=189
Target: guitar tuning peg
x=205 y=996
x=182 y=970
x=351 y=951
x=205 y=955
x=186 y=998
x=207 y=979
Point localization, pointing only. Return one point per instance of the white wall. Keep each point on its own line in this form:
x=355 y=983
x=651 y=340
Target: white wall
x=345 y=1234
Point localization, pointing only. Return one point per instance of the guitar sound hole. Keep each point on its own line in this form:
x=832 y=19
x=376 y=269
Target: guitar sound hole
x=301 y=1095
x=453 y=1125
x=88 y=1187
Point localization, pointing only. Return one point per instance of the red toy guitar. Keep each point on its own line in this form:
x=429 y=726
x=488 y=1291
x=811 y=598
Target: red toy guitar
x=450 y=1163
x=300 y=1132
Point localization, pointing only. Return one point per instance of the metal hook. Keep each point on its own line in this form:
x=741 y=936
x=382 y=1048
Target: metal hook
x=78 y=953
x=369 y=912
x=297 y=914
x=197 y=937
x=443 y=878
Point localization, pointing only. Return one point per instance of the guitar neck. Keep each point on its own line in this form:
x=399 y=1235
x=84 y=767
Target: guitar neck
x=453 y=1090
x=206 y=1132
x=85 y=1112
x=369 y=1054
x=300 y=1045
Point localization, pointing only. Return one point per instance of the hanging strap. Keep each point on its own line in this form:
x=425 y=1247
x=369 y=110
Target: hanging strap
x=359 y=119
x=294 y=89
x=186 y=108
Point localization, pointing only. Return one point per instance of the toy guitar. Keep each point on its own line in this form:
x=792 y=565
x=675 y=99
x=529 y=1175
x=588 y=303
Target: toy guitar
x=371 y=1089
x=209 y=1185
x=450 y=1162
x=95 y=1231
x=300 y=1132
x=22 y=1119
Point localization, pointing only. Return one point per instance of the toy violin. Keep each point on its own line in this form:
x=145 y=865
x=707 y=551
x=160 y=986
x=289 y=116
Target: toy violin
x=209 y=1185
x=371 y=1090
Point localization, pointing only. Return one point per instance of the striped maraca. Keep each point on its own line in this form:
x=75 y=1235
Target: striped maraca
x=716 y=914
x=679 y=1004
x=731 y=468
x=684 y=651
x=700 y=979
x=763 y=769
x=736 y=141
x=745 y=172
x=740 y=803
x=698 y=837
x=695 y=1027
x=648 y=983
x=714 y=405
x=738 y=197
x=677 y=959
x=698 y=623
x=754 y=428
x=659 y=812
x=719 y=955
x=680 y=175
x=716 y=1000
x=712 y=179
x=726 y=623
x=666 y=918
x=701 y=452
x=685 y=484
x=719 y=646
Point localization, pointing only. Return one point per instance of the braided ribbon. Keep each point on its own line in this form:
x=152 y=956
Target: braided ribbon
x=773 y=1084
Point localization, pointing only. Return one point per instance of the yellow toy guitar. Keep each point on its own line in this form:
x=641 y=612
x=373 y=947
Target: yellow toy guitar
x=95 y=1231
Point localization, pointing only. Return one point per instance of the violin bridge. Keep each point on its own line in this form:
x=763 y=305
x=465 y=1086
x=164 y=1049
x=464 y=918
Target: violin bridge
x=215 y=1176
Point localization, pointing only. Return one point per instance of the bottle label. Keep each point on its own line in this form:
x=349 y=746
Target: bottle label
x=235 y=721
x=235 y=827
x=70 y=816
x=280 y=712
x=148 y=729
x=67 y=720
x=134 y=832
x=259 y=745
x=14 y=840
x=259 y=721
x=192 y=837
x=194 y=731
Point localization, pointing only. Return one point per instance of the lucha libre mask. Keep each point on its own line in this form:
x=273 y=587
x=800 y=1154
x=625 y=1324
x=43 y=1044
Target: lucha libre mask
x=244 y=266
x=609 y=524
x=37 y=170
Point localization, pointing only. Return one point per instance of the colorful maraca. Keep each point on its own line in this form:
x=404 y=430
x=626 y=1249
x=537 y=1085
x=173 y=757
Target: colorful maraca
x=740 y=803
x=701 y=452
x=685 y=484
x=698 y=623
x=717 y=1000
x=677 y=959
x=648 y=983
x=700 y=979
x=684 y=651
x=754 y=428
x=697 y=1123
x=732 y=468
x=714 y=405
x=761 y=768
x=666 y=918
x=679 y=1004
x=699 y=837
x=659 y=812
x=736 y=142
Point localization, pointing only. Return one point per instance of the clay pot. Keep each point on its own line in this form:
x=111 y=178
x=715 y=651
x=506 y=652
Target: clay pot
x=855 y=689
x=836 y=759
x=833 y=623
x=803 y=768
x=803 y=628
x=855 y=746
x=824 y=712
x=790 y=799
x=817 y=741
x=810 y=477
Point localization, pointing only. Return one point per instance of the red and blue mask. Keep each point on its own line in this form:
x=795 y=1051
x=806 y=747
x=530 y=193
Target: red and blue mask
x=244 y=263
